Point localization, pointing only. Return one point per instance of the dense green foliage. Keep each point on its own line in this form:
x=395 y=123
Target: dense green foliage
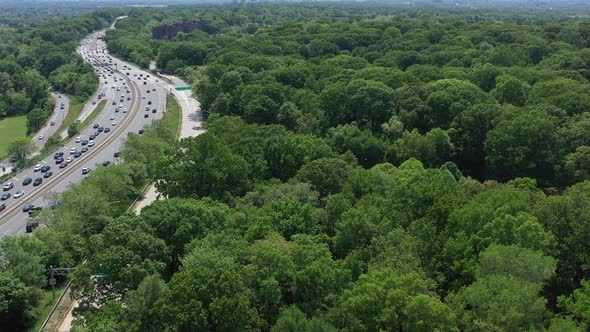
x=35 y=58
x=499 y=95
x=362 y=170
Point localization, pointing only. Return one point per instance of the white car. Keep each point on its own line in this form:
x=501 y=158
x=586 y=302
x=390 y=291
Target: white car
x=18 y=194
x=40 y=137
x=86 y=170
x=78 y=139
x=112 y=117
x=8 y=186
x=37 y=168
x=69 y=160
x=114 y=123
x=90 y=143
x=73 y=150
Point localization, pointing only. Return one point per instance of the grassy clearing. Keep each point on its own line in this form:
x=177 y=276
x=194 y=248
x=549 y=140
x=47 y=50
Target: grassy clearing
x=10 y=129
x=94 y=114
x=76 y=107
x=46 y=303
x=55 y=141
x=171 y=119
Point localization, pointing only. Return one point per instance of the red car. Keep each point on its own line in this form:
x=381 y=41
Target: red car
x=63 y=165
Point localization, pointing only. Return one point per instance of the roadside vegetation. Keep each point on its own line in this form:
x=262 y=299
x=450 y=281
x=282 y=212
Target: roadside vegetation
x=365 y=168
x=99 y=107
x=35 y=59
x=10 y=129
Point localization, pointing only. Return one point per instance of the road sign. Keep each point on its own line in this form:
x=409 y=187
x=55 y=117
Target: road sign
x=52 y=282
x=182 y=88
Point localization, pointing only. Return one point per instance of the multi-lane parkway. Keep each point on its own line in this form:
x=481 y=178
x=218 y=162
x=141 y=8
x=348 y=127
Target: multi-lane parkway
x=131 y=93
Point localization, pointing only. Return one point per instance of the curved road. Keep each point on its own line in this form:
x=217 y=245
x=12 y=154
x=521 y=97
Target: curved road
x=55 y=121
x=128 y=88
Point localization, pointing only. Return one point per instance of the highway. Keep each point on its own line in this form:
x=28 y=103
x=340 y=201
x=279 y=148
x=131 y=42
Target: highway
x=128 y=91
x=56 y=119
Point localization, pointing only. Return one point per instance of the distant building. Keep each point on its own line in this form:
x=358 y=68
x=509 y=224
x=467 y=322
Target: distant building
x=168 y=31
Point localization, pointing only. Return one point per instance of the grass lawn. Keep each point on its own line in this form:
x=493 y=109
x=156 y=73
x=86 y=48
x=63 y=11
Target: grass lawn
x=10 y=129
x=171 y=119
x=46 y=303
x=94 y=114
x=76 y=107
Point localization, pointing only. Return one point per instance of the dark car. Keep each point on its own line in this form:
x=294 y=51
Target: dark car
x=58 y=155
x=59 y=161
x=84 y=149
x=106 y=163
x=45 y=168
x=100 y=129
x=37 y=181
x=154 y=110
x=2 y=206
x=146 y=115
x=84 y=142
x=31 y=225
x=77 y=154
x=95 y=126
x=27 y=181
x=149 y=102
x=117 y=154
x=31 y=207
x=140 y=131
x=5 y=196
x=91 y=137
x=48 y=174
x=107 y=130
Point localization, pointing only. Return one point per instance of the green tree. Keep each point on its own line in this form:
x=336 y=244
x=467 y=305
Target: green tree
x=203 y=166
x=577 y=164
x=368 y=149
x=499 y=302
x=468 y=132
x=17 y=309
x=382 y=300
x=524 y=145
x=20 y=149
x=326 y=175
x=433 y=149
x=578 y=303
x=511 y=90
x=26 y=259
x=292 y=319
x=73 y=129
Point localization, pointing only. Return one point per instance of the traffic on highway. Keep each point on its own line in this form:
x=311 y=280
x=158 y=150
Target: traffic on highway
x=133 y=99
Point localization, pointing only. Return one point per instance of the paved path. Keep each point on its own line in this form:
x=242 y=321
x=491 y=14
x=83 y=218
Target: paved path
x=58 y=117
x=66 y=323
x=191 y=125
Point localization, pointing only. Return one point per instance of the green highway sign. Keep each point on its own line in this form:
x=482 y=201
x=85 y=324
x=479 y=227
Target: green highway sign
x=182 y=88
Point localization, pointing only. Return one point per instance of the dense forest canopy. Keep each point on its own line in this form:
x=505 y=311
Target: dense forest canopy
x=365 y=168
x=500 y=95
x=35 y=59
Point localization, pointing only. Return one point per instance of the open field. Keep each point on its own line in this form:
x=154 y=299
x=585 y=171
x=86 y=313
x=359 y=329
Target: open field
x=10 y=129
x=171 y=119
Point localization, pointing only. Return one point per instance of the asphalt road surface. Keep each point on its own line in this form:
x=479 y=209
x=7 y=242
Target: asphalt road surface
x=125 y=87
x=56 y=119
